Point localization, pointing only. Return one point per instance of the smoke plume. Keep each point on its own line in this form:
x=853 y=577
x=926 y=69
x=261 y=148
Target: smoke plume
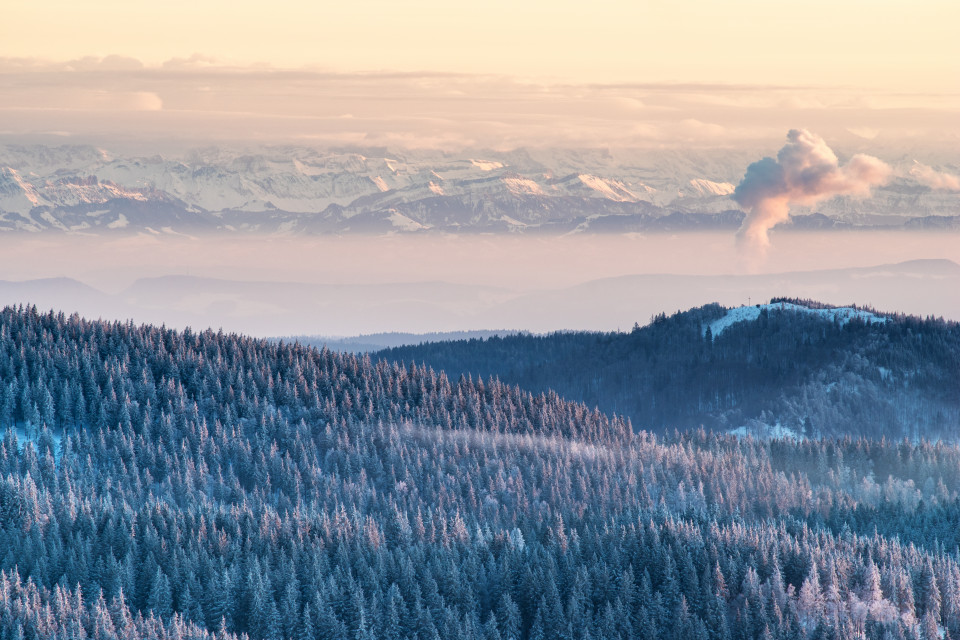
x=805 y=172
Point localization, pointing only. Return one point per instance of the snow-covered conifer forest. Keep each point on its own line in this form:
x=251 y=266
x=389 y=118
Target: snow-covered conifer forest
x=165 y=484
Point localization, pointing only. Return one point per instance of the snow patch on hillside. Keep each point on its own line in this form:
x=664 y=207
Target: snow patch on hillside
x=119 y=223
x=611 y=189
x=400 y=221
x=513 y=222
x=710 y=188
x=33 y=435
x=843 y=315
x=28 y=190
x=486 y=165
x=523 y=186
x=766 y=432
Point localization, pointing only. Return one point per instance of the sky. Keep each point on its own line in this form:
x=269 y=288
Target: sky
x=885 y=44
x=501 y=74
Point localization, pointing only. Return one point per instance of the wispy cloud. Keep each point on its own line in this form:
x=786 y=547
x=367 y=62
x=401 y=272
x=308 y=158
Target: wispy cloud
x=201 y=99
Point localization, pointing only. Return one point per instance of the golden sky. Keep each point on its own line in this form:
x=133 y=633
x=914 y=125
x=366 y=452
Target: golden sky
x=500 y=73
x=882 y=44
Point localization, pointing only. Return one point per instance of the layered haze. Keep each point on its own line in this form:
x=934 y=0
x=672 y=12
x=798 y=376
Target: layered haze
x=355 y=285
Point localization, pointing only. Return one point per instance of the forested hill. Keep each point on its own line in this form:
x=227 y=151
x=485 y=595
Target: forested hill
x=791 y=364
x=66 y=371
x=156 y=484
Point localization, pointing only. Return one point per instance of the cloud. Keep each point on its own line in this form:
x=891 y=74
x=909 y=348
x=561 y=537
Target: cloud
x=106 y=63
x=110 y=64
x=206 y=99
x=107 y=101
x=934 y=179
x=805 y=172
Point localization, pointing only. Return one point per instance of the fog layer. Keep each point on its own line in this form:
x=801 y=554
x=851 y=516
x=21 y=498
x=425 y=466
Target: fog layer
x=352 y=285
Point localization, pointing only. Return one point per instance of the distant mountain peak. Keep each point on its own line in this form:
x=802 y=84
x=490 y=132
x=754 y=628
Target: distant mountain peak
x=293 y=189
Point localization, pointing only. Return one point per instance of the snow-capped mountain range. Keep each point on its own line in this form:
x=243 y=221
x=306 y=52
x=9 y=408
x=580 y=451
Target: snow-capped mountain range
x=84 y=189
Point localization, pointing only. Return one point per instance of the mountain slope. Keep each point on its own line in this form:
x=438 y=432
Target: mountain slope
x=810 y=370
x=213 y=486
